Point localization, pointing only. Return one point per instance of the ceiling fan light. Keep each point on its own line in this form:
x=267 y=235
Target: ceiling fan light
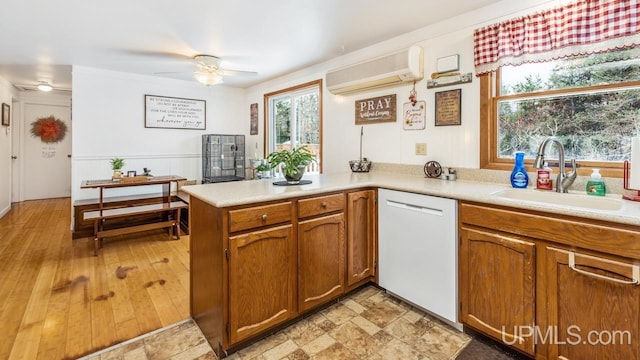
x=208 y=78
x=44 y=86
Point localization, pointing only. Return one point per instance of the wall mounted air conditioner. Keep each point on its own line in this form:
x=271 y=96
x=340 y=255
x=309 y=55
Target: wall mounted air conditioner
x=399 y=67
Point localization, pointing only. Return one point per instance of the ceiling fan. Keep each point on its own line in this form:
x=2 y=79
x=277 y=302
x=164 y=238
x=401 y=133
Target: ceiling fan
x=209 y=71
x=44 y=86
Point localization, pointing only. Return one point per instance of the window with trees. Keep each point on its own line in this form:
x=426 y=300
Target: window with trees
x=293 y=118
x=571 y=72
x=591 y=103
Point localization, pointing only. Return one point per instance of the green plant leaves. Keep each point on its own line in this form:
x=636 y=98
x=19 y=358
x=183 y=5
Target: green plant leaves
x=291 y=159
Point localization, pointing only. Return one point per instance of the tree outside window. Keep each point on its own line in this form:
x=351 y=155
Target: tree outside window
x=294 y=118
x=591 y=103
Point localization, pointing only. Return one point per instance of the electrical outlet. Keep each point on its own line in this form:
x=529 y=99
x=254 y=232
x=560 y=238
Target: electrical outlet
x=421 y=148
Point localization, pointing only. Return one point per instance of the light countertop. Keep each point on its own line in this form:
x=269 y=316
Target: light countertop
x=253 y=191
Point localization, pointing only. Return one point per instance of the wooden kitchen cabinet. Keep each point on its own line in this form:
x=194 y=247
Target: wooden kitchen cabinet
x=361 y=236
x=321 y=248
x=257 y=266
x=497 y=285
x=599 y=296
x=594 y=306
x=262 y=281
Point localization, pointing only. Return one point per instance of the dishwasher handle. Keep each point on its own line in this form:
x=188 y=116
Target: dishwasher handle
x=418 y=208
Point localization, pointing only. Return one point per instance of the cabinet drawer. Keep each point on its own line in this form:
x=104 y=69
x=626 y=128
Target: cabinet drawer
x=258 y=216
x=320 y=205
x=589 y=234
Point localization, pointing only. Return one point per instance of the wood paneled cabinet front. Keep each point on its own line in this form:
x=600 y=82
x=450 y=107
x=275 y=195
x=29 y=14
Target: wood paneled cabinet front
x=497 y=285
x=321 y=244
x=257 y=266
x=262 y=281
x=361 y=237
x=567 y=285
x=594 y=306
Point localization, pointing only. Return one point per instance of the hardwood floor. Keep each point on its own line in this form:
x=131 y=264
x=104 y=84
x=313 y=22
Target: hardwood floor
x=58 y=301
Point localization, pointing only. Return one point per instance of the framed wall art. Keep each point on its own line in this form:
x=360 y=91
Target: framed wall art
x=6 y=113
x=174 y=113
x=414 y=116
x=448 y=64
x=448 y=107
x=254 y=119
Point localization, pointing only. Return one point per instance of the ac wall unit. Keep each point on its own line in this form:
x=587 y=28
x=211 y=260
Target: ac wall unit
x=399 y=67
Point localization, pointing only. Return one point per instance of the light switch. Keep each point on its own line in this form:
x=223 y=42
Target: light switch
x=421 y=148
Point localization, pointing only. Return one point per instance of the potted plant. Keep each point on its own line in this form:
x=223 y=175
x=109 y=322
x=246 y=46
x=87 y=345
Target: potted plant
x=263 y=170
x=293 y=162
x=116 y=165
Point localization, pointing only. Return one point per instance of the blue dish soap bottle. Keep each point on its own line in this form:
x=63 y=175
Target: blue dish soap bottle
x=519 y=177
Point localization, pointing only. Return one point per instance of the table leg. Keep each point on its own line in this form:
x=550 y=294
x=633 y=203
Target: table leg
x=166 y=198
x=177 y=231
x=100 y=204
x=95 y=237
x=166 y=192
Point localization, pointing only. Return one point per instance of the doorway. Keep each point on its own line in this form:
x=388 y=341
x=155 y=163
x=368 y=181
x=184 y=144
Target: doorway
x=44 y=149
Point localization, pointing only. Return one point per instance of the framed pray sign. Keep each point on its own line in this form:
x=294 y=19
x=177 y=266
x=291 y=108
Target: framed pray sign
x=376 y=110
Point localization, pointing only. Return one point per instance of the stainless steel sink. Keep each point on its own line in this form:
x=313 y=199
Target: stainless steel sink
x=572 y=200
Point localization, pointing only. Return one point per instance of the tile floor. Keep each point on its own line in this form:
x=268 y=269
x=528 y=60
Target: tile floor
x=368 y=324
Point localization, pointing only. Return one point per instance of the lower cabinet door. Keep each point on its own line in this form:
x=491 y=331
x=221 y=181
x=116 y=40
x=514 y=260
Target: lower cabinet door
x=321 y=245
x=262 y=281
x=361 y=238
x=594 y=307
x=497 y=286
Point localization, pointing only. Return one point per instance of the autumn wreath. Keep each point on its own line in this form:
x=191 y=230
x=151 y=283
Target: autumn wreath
x=49 y=129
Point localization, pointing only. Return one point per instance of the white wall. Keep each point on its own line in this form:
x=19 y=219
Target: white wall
x=456 y=146
x=6 y=95
x=108 y=122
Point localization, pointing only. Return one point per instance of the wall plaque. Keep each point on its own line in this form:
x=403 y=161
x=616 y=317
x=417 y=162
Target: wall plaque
x=376 y=110
x=448 y=107
x=174 y=113
x=414 y=115
x=253 y=125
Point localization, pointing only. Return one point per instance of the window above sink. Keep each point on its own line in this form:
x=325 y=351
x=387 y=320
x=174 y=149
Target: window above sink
x=589 y=102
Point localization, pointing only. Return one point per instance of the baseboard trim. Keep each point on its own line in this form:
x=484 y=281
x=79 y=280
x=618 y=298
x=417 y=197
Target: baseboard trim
x=4 y=211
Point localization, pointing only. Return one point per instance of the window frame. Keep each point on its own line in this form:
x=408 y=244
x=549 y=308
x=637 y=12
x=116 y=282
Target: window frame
x=489 y=99
x=292 y=90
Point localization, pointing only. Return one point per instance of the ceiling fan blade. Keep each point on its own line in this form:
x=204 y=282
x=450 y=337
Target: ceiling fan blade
x=238 y=72
x=172 y=72
x=157 y=54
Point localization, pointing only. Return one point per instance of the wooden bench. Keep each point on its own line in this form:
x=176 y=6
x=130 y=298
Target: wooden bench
x=170 y=211
x=83 y=228
x=184 y=216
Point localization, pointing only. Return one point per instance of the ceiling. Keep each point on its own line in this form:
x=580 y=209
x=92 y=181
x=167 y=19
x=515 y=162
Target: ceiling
x=41 y=39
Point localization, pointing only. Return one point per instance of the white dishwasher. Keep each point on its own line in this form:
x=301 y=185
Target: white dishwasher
x=418 y=250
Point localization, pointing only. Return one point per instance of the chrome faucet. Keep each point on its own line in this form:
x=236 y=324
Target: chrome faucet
x=564 y=180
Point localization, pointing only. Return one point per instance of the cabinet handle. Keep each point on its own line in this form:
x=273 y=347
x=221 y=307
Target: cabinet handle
x=324 y=205
x=635 y=269
x=264 y=217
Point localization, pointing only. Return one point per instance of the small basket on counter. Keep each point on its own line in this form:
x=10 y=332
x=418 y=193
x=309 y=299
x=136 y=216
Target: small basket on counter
x=362 y=165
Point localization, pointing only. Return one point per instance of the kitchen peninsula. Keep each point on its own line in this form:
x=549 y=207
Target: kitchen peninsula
x=261 y=255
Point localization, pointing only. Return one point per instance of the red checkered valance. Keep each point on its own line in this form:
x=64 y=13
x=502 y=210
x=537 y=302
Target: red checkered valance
x=579 y=28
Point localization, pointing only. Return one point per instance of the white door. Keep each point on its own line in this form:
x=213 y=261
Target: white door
x=47 y=165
